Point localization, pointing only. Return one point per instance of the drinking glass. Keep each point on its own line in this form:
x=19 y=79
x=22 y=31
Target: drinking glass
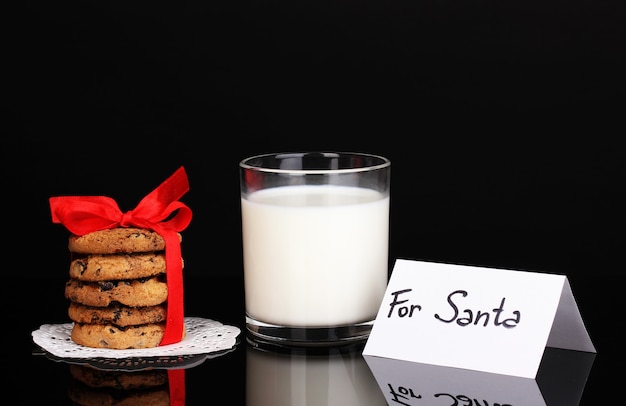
x=315 y=237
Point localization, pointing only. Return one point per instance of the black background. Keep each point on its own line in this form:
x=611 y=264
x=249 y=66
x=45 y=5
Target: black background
x=503 y=120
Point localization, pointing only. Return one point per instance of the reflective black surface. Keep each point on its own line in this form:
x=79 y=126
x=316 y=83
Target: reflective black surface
x=503 y=121
x=257 y=373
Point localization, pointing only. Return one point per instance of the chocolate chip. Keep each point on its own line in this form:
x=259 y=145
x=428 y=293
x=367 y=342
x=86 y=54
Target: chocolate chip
x=106 y=286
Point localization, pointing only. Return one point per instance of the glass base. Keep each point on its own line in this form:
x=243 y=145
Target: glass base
x=309 y=336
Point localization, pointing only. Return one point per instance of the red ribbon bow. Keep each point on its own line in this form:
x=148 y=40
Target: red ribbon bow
x=159 y=211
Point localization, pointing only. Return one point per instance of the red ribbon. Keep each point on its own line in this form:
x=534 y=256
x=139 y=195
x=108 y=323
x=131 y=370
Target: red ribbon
x=159 y=211
x=176 y=379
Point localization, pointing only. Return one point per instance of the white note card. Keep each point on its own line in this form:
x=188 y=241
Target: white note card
x=482 y=319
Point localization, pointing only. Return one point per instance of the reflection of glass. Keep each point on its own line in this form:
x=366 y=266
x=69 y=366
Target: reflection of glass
x=296 y=376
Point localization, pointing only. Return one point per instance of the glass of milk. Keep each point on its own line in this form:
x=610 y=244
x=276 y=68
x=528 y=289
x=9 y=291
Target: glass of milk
x=315 y=228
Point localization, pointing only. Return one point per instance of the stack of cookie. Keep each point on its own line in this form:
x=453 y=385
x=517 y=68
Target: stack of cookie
x=117 y=288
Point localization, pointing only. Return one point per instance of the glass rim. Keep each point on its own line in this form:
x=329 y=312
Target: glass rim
x=243 y=164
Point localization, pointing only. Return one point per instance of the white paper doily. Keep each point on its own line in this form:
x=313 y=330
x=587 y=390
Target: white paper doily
x=203 y=336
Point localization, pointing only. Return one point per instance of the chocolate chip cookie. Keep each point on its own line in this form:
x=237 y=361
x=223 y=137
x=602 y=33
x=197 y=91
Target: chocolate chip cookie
x=117 y=314
x=118 y=240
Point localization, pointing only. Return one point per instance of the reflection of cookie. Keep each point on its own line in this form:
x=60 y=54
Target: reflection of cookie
x=90 y=386
x=82 y=395
x=117 y=240
x=97 y=378
x=117 y=314
x=110 y=336
x=140 y=292
x=123 y=266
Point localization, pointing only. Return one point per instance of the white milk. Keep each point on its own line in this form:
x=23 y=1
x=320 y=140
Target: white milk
x=315 y=255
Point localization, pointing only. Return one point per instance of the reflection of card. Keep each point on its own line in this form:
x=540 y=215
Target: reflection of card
x=484 y=319
x=563 y=376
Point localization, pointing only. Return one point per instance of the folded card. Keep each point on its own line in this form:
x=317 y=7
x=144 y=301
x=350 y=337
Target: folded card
x=484 y=319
